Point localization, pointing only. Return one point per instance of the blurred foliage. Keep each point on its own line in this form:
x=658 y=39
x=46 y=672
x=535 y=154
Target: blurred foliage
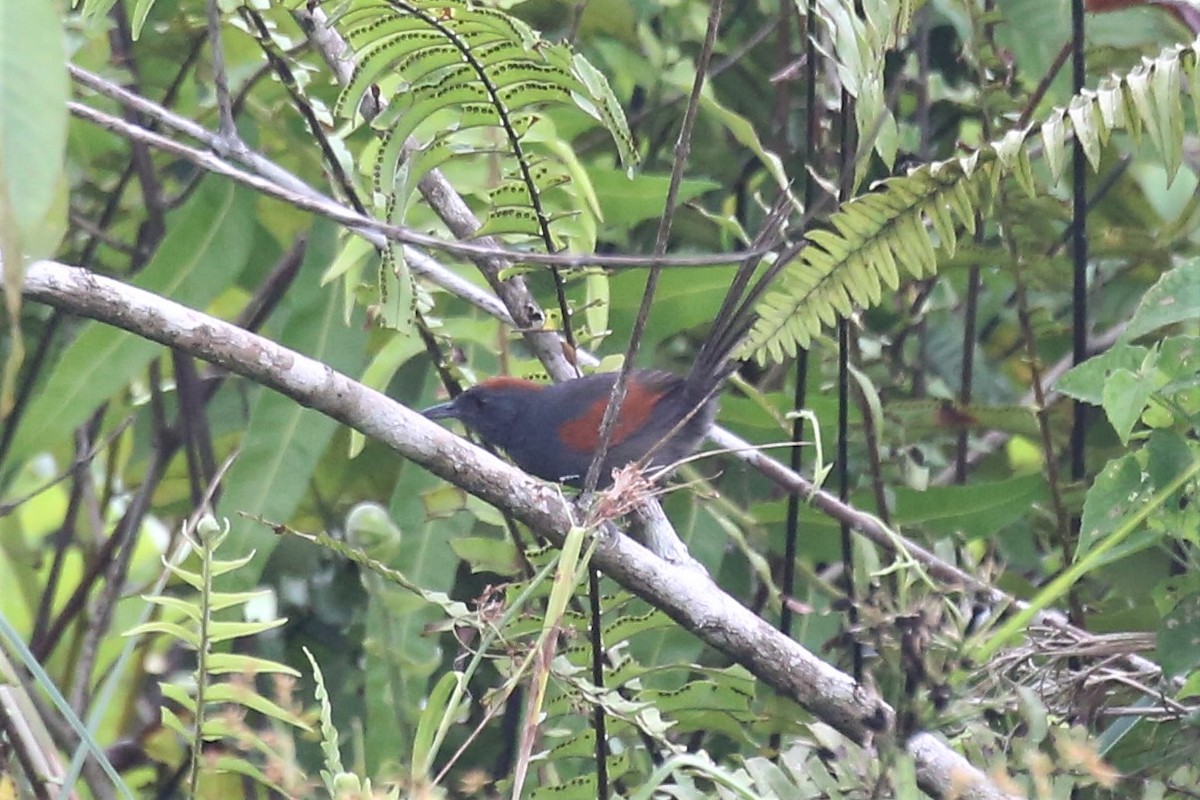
x=421 y=608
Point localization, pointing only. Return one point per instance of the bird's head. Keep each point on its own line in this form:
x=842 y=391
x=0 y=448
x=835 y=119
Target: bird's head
x=493 y=408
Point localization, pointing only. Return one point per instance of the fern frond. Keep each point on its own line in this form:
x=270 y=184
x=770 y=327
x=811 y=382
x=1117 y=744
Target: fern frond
x=329 y=734
x=870 y=240
x=902 y=224
x=861 y=42
x=457 y=78
x=222 y=687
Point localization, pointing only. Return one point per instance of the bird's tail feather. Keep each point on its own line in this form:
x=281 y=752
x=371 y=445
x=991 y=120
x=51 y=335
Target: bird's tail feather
x=736 y=317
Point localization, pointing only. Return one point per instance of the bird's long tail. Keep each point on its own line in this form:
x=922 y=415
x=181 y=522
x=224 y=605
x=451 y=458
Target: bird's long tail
x=716 y=359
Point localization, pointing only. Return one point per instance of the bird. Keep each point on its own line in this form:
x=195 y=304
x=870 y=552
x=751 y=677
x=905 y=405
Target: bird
x=553 y=431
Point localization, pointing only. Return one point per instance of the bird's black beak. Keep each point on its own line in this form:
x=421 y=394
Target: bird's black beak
x=441 y=411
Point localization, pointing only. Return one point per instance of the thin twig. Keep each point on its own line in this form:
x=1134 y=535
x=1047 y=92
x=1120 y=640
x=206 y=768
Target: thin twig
x=285 y=186
x=683 y=147
x=212 y=16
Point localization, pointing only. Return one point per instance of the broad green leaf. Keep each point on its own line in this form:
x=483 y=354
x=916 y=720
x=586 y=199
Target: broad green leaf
x=33 y=115
x=1114 y=524
x=1167 y=455
x=978 y=510
x=1086 y=381
x=1178 y=363
x=206 y=246
x=283 y=440
x=1178 y=638
x=743 y=131
x=1174 y=298
x=1118 y=489
x=33 y=125
x=401 y=654
x=488 y=554
x=1124 y=398
x=627 y=201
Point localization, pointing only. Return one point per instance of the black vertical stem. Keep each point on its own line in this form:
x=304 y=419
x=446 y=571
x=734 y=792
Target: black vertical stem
x=1079 y=248
x=599 y=724
x=811 y=132
x=848 y=146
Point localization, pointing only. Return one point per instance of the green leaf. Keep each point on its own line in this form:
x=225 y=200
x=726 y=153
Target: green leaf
x=1114 y=524
x=1054 y=141
x=602 y=104
x=1177 y=367
x=1118 y=489
x=1167 y=455
x=180 y=695
x=247 y=665
x=206 y=245
x=1166 y=93
x=242 y=695
x=218 y=601
x=240 y=766
x=1137 y=92
x=627 y=201
x=402 y=655
x=488 y=554
x=187 y=608
x=626 y=627
x=436 y=710
x=219 y=566
x=33 y=117
x=1086 y=381
x=1174 y=298
x=1082 y=112
x=1124 y=398
x=174 y=630
x=704 y=705
x=978 y=510
x=1178 y=638
x=223 y=631
x=283 y=440
x=743 y=131
x=329 y=734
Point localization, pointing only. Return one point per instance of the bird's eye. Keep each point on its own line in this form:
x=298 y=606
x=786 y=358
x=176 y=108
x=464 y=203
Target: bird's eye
x=474 y=401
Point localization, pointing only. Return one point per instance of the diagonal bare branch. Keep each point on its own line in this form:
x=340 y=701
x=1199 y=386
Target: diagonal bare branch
x=684 y=593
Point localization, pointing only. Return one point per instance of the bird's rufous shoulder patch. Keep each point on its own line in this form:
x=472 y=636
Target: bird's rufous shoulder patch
x=582 y=434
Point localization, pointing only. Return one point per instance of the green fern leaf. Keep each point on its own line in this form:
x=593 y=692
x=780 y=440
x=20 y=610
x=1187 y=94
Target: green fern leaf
x=247 y=665
x=445 y=70
x=1082 y=111
x=329 y=734
x=205 y=697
